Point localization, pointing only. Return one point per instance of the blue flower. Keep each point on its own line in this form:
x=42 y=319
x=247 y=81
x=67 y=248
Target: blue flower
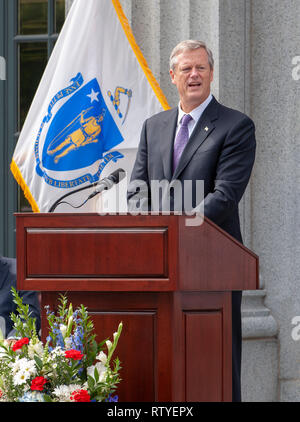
x=112 y=398
x=77 y=338
x=59 y=340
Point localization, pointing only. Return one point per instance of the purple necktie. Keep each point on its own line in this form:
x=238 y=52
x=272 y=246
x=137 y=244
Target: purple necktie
x=181 y=139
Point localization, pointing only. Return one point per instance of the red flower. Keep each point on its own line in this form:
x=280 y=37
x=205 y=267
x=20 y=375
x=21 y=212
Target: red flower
x=80 y=396
x=20 y=343
x=38 y=383
x=73 y=354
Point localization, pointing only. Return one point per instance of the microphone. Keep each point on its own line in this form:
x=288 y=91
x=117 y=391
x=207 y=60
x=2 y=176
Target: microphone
x=108 y=182
x=104 y=184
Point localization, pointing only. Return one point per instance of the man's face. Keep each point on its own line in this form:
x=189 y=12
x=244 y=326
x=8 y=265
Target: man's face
x=192 y=76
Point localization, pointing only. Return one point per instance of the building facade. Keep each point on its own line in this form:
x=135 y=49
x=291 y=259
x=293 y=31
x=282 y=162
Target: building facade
x=256 y=46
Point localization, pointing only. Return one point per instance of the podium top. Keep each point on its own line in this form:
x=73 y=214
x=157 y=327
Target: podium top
x=90 y=252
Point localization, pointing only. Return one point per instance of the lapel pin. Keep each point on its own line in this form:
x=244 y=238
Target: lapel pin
x=206 y=128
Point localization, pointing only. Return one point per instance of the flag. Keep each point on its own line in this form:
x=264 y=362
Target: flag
x=86 y=117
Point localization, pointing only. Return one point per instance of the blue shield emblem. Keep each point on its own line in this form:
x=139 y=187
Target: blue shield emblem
x=79 y=135
x=81 y=132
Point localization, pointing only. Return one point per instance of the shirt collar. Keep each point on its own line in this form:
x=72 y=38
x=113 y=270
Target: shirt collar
x=196 y=112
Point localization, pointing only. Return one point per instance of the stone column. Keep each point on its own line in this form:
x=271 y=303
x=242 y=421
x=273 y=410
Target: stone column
x=260 y=350
x=235 y=87
x=275 y=104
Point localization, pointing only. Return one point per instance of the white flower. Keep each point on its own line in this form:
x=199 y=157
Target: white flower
x=23 y=369
x=58 y=351
x=102 y=357
x=20 y=378
x=63 y=392
x=35 y=349
x=68 y=343
x=108 y=344
x=29 y=367
x=18 y=364
x=63 y=329
x=101 y=368
x=70 y=321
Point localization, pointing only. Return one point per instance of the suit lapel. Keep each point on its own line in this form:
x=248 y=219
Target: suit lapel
x=202 y=130
x=167 y=134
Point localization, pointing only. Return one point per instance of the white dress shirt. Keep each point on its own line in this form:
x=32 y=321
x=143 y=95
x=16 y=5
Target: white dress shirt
x=196 y=113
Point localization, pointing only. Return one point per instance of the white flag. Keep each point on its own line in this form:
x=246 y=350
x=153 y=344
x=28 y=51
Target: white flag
x=87 y=114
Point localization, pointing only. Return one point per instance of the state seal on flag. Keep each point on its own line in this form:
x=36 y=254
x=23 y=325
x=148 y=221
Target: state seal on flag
x=76 y=137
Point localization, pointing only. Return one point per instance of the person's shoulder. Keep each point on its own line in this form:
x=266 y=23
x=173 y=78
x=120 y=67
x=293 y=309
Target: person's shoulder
x=8 y=274
x=162 y=115
x=233 y=114
x=8 y=267
x=9 y=263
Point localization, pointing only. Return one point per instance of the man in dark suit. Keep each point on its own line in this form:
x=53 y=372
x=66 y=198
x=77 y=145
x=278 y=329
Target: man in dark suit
x=8 y=278
x=213 y=143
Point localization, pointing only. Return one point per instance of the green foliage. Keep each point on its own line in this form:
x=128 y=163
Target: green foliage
x=23 y=323
x=70 y=359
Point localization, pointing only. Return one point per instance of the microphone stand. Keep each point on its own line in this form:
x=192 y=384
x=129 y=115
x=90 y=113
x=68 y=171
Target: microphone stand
x=104 y=184
x=56 y=203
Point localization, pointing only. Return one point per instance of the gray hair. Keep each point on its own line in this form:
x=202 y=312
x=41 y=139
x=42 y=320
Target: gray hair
x=190 y=45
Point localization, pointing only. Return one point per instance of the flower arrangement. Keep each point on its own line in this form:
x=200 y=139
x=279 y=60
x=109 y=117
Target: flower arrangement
x=70 y=367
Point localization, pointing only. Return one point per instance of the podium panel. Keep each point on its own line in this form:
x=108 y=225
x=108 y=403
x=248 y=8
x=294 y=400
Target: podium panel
x=96 y=252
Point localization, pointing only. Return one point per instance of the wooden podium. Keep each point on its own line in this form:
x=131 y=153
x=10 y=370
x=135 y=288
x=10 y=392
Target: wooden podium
x=168 y=282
